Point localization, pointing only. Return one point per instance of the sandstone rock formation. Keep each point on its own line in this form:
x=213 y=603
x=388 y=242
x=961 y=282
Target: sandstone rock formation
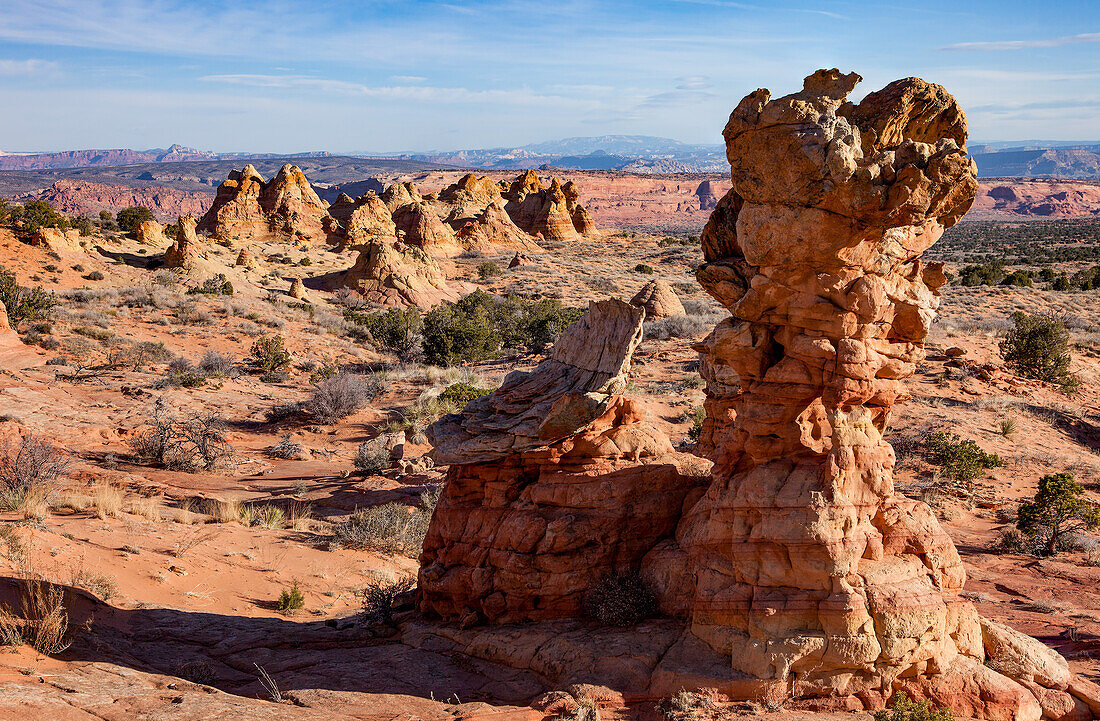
x=658 y=299
x=14 y=353
x=59 y=241
x=799 y=572
x=298 y=290
x=245 y=259
x=519 y=259
x=150 y=232
x=247 y=206
x=556 y=480
x=551 y=213
x=362 y=220
x=421 y=227
x=392 y=273
x=186 y=251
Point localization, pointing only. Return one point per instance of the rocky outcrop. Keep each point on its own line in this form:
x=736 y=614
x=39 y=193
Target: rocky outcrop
x=541 y=212
x=362 y=220
x=519 y=259
x=419 y=225
x=398 y=194
x=185 y=252
x=245 y=259
x=80 y=197
x=247 y=207
x=392 y=273
x=298 y=290
x=556 y=480
x=807 y=570
x=57 y=240
x=13 y=353
x=150 y=232
x=658 y=299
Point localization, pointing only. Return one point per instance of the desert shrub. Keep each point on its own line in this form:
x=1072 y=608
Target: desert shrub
x=1056 y=512
x=218 y=285
x=270 y=354
x=678 y=326
x=193 y=443
x=340 y=396
x=487 y=270
x=181 y=374
x=30 y=469
x=282 y=410
x=644 y=269
x=462 y=393
x=985 y=274
x=1087 y=279
x=396 y=330
x=480 y=325
x=686 y=705
x=216 y=365
x=37 y=214
x=389 y=528
x=95 y=275
x=698 y=415
x=1018 y=278
x=380 y=598
x=905 y=710
x=371 y=458
x=1061 y=283
x=960 y=460
x=1037 y=346
x=44 y=619
x=620 y=599
x=24 y=304
x=83 y=224
x=270 y=516
x=285 y=448
x=291 y=599
x=129 y=219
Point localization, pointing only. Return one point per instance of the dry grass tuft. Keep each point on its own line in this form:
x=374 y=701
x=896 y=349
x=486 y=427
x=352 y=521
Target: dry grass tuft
x=107 y=501
x=43 y=621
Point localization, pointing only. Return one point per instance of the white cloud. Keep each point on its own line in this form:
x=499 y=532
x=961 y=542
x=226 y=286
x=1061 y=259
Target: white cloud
x=1025 y=44
x=19 y=68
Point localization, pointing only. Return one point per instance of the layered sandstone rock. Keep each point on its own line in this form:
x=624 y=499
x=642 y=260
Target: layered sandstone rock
x=245 y=259
x=421 y=227
x=14 y=354
x=808 y=570
x=247 y=206
x=298 y=290
x=556 y=480
x=552 y=213
x=185 y=252
x=658 y=299
x=150 y=232
x=362 y=220
x=57 y=240
x=392 y=273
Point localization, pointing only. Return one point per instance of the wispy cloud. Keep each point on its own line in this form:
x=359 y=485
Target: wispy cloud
x=19 y=68
x=422 y=93
x=1025 y=44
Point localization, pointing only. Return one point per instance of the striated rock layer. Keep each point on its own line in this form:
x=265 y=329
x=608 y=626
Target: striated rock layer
x=807 y=569
x=556 y=480
x=247 y=206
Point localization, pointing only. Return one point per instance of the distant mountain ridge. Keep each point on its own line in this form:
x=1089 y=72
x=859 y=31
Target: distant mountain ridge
x=123 y=156
x=642 y=154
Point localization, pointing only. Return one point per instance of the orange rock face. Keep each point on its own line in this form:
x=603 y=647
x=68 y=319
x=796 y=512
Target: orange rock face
x=247 y=206
x=185 y=252
x=569 y=486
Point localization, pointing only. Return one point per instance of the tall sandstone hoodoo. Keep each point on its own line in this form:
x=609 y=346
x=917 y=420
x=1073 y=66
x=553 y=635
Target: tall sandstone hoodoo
x=799 y=572
x=185 y=251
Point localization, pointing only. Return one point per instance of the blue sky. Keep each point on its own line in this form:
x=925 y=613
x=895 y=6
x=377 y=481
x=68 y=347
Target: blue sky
x=394 y=75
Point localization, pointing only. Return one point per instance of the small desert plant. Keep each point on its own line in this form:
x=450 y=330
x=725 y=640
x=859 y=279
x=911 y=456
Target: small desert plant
x=286 y=448
x=372 y=458
x=905 y=710
x=962 y=461
x=43 y=621
x=1007 y=428
x=379 y=598
x=24 y=304
x=218 y=285
x=215 y=364
x=270 y=516
x=620 y=600
x=685 y=705
x=291 y=599
x=1056 y=512
x=1038 y=347
x=698 y=415
x=340 y=396
x=107 y=501
x=30 y=470
x=389 y=528
x=487 y=270
x=460 y=394
x=269 y=685
x=281 y=411
x=222 y=510
x=270 y=354
x=644 y=269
